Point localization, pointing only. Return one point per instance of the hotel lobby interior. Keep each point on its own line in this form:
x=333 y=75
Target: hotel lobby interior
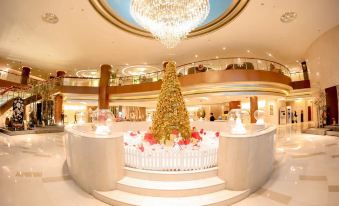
x=169 y=102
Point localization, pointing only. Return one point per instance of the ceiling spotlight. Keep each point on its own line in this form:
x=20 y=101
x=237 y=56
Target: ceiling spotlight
x=288 y=17
x=50 y=18
x=217 y=57
x=248 y=51
x=224 y=48
x=317 y=74
x=269 y=54
x=196 y=56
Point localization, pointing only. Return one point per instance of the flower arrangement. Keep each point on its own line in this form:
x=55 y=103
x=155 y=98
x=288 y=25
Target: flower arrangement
x=146 y=140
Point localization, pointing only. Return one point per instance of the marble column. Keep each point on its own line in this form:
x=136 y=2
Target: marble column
x=25 y=75
x=105 y=73
x=253 y=107
x=58 y=101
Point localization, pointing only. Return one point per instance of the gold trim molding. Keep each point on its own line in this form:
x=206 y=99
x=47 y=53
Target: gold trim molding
x=235 y=8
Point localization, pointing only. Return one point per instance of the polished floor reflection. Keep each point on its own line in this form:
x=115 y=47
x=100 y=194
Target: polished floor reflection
x=33 y=172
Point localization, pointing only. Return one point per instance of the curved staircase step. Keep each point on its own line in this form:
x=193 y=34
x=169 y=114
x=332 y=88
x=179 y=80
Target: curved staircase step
x=170 y=188
x=171 y=175
x=220 y=198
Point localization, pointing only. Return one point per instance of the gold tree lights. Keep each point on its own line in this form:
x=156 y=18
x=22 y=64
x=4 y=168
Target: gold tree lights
x=171 y=116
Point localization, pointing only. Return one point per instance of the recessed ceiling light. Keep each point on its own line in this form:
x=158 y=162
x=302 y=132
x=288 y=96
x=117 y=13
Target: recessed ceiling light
x=50 y=18
x=248 y=51
x=288 y=17
x=196 y=56
x=269 y=54
x=217 y=57
x=126 y=64
x=317 y=74
x=224 y=48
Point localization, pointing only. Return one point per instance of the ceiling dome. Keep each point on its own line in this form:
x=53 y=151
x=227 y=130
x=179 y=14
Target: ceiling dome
x=118 y=13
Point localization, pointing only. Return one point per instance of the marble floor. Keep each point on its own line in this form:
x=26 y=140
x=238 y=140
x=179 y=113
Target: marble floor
x=33 y=172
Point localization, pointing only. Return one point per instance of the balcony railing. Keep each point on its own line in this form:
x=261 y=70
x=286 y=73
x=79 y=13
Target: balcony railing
x=16 y=78
x=12 y=77
x=211 y=65
x=299 y=76
x=238 y=63
x=80 y=81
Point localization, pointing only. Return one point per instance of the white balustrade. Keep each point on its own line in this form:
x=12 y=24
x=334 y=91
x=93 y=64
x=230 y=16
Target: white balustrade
x=171 y=159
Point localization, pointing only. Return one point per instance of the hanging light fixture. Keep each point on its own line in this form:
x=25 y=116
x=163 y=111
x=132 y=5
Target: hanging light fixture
x=169 y=21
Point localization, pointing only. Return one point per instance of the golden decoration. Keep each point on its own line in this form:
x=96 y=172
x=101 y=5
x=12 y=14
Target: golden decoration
x=171 y=114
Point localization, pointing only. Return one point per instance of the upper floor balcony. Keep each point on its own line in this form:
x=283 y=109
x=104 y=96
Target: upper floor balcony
x=214 y=75
x=246 y=73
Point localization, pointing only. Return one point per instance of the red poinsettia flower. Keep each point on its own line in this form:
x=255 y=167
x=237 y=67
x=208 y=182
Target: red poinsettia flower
x=184 y=142
x=201 y=131
x=150 y=138
x=204 y=133
x=141 y=147
x=217 y=134
x=196 y=135
x=193 y=128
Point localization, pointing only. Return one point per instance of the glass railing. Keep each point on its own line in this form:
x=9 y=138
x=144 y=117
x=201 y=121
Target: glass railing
x=12 y=77
x=7 y=94
x=236 y=63
x=136 y=79
x=211 y=65
x=80 y=81
x=16 y=78
x=299 y=76
x=233 y=63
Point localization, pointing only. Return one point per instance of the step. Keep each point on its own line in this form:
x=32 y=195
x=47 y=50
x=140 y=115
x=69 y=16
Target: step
x=220 y=198
x=171 y=175
x=170 y=188
x=316 y=131
x=332 y=133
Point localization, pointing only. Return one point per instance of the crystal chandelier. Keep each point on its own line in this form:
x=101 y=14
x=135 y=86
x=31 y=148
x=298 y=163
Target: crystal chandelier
x=169 y=21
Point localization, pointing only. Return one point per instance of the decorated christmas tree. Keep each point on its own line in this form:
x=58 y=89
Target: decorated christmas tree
x=171 y=116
